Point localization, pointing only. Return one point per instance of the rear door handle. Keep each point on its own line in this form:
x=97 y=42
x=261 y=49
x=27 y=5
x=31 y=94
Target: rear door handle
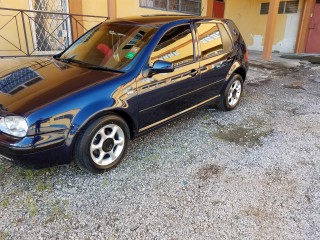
x=229 y=60
x=193 y=72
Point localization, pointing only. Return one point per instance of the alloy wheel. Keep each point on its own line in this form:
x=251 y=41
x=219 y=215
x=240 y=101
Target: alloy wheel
x=107 y=144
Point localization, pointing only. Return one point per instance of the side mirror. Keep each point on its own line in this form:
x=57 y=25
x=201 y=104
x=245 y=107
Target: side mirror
x=160 y=67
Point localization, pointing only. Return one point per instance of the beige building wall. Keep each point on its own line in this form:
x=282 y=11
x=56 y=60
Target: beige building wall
x=87 y=7
x=10 y=33
x=19 y=4
x=252 y=25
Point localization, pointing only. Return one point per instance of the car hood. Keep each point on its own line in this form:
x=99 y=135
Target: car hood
x=44 y=80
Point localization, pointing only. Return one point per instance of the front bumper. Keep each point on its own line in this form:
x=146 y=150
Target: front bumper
x=37 y=151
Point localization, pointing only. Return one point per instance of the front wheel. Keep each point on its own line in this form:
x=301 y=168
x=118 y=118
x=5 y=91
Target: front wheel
x=103 y=144
x=232 y=94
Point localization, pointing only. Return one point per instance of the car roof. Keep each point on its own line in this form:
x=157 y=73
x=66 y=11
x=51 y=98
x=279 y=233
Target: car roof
x=158 y=20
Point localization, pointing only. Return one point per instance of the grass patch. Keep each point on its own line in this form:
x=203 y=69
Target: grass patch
x=105 y=182
x=31 y=206
x=5 y=202
x=153 y=157
x=217 y=202
x=4 y=235
x=57 y=211
x=42 y=186
x=32 y=174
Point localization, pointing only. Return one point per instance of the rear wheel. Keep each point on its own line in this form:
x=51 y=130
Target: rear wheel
x=103 y=144
x=232 y=94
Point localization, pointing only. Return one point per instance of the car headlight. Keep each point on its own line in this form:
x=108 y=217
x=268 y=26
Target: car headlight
x=14 y=125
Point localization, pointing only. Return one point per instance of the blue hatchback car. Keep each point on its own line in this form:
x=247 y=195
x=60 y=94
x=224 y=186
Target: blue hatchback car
x=121 y=79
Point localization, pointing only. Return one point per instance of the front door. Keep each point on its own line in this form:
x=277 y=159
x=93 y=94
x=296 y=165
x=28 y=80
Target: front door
x=163 y=96
x=313 y=43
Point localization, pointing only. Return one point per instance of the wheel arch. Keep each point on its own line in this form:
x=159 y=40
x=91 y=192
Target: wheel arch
x=237 y=70
x=242 y=72
x=125 y=116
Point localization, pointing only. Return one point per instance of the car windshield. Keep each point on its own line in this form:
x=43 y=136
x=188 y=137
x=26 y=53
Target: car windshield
x=112 y=46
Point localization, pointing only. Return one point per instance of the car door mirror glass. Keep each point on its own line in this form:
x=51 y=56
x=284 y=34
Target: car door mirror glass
x=160 y=67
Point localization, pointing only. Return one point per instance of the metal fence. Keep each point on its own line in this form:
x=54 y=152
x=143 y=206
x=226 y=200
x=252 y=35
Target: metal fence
x=34 y=33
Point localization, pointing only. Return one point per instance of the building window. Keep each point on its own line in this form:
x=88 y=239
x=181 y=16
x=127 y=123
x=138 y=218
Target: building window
x=264 y=8
x=288 y=7
x=186 y=6
x=285 y=7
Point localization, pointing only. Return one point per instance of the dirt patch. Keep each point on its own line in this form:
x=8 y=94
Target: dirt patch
x=244 y=136
x=248 y=134
x=295 y=85
x=277 y=68
x=259 y=83
x=209 y=171
x=312 y=59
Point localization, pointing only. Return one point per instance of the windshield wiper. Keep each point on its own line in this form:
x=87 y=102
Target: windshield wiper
x=105 y=69
x=70 y=60
x=91 y=66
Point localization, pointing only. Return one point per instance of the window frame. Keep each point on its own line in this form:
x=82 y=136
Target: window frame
x=267 y=5
x=169 y=10
x=194 y=42
x=285 y=7
x=218 y=52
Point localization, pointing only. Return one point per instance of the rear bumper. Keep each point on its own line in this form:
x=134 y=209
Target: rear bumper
x=36 y=151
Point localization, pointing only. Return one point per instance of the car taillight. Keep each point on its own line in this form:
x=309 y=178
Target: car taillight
x=246 y=56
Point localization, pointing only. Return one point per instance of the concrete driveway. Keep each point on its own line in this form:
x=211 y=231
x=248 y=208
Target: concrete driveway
x=253 y=173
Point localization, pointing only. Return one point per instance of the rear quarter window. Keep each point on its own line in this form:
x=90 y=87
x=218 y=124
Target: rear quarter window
x=234 y=31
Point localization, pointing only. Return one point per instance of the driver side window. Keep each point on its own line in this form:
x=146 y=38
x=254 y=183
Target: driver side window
x=176 y=46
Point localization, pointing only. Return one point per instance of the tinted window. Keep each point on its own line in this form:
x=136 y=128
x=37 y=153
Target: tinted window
x=111 y=45
x=175 y=46
x=233 y=29
x=227 y=42
x=209 y=39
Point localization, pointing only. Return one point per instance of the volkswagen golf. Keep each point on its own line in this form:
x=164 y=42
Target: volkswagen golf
x=121 y=79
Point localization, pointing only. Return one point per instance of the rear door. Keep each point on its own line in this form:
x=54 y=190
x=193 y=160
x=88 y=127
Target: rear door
x=215 y=48
x=164 y=96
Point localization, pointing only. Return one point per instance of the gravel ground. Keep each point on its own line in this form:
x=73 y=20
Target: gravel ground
x=252 y=173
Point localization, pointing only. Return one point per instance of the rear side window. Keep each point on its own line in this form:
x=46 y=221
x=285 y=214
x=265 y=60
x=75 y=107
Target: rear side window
x=213 y=39
x=176 y=46
x=233 y=30
x=227 y=43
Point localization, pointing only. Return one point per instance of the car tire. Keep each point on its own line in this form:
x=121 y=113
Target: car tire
x=231 y=96
x=103 y=144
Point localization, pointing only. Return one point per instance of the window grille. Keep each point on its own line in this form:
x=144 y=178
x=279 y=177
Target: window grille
x=264 y=9
x=285 y=7
x=289 y=7
x=186 y=6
